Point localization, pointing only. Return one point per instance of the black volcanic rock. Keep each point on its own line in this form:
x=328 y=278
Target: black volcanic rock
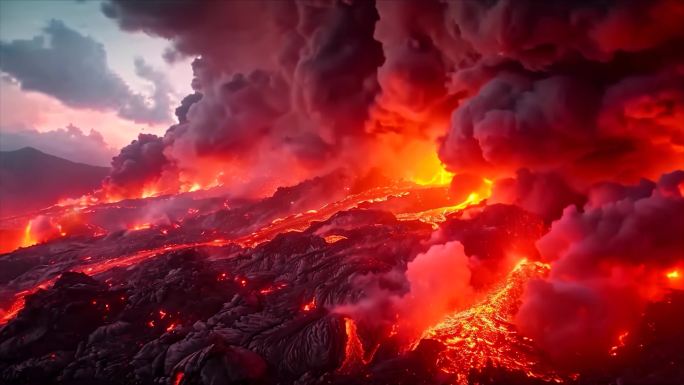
x=269 y=314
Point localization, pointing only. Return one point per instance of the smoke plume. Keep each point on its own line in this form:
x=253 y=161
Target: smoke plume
x=607 y=262
x=570 y=108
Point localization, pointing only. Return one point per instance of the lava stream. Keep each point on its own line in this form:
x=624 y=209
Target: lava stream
x=483 y=334
x=297 y=222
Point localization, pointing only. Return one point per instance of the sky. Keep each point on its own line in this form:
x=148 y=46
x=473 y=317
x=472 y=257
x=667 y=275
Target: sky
x=74 y=85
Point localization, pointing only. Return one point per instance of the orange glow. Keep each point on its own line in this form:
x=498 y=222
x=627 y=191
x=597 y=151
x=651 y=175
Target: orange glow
x=430 y=172
x=12 y=311
x=295 y=222
x=310 y=305
x=484 y=333
x=621 y=342
x=674 y=274
x=271 y=289
x=143 y=226
x=149 y=192
x=178 y=378
x=438 y=215
x=334 y=238
x=354 y=353
x=28 y=238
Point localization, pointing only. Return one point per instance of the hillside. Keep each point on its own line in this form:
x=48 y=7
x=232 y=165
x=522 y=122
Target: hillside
x=31 y=179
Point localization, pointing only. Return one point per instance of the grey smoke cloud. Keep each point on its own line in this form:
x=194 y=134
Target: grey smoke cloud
x=73 y=68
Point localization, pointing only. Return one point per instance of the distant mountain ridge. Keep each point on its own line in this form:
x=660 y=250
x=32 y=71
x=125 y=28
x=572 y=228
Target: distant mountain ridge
x=31 y=180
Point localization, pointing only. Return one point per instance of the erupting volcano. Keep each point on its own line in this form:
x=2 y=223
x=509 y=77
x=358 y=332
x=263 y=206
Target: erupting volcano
x=359 y=192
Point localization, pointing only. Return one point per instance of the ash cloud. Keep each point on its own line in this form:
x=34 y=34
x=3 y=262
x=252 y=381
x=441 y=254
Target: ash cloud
x=134 y=164
x=573 y=107
x=435 y=283
x=608 y=261
x=569 y=87
x=570 y=107
x=73 y=68
x=296 y=86
x=544 y=194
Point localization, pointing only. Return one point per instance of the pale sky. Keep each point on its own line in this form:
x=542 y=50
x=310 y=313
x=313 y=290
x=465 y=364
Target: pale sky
x=35 y=110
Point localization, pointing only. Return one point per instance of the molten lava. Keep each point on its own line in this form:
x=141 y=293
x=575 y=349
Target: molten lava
x=297 y=222
x=483 y=334
x=354 y=353
x=28 y=237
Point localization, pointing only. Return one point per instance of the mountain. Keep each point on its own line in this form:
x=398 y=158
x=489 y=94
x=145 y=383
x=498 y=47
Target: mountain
x=31 y=180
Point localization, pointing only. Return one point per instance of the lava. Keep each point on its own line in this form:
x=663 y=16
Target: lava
x=354 y=353
x=334 y=238
x=28 y=238
x=484 y=334
x=309 y=306
x=343 y=195
x=438 y=215
x=620 y=344
x=12 y=310
x=296 y=222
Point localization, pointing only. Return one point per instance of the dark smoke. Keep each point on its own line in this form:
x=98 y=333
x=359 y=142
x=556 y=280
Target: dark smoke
x=296 y=86
x=608 y=261
x=136 y=162
x=570 y=107
x=590 y=89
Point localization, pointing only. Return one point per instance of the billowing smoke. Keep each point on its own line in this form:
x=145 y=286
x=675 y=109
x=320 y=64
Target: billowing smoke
x=435 y=283
x=572 y=105
x=607 y=262
x=592 y=90
x=544 y=194
x=283 y=100
x=132 y=168
x=571 y=108
x=440 y=284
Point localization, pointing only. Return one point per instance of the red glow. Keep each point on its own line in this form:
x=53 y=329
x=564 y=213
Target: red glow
x=178 y=378
x=12 y=311
x=483 y=333
x=334 y=238
x=620 y=343
x=142 y=226
x=311 y=305
x=273 y=288
x=297 y=222
x=354 y=352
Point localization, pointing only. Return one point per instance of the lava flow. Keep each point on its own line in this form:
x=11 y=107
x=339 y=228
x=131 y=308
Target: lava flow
x=296 y=222
x=345 y=194
x=484 y=334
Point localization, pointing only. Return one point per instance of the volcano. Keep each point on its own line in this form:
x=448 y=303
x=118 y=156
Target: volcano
x=364 y=192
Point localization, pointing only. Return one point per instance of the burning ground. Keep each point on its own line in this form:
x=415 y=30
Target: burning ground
x=376 y=193
x=371 y=288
